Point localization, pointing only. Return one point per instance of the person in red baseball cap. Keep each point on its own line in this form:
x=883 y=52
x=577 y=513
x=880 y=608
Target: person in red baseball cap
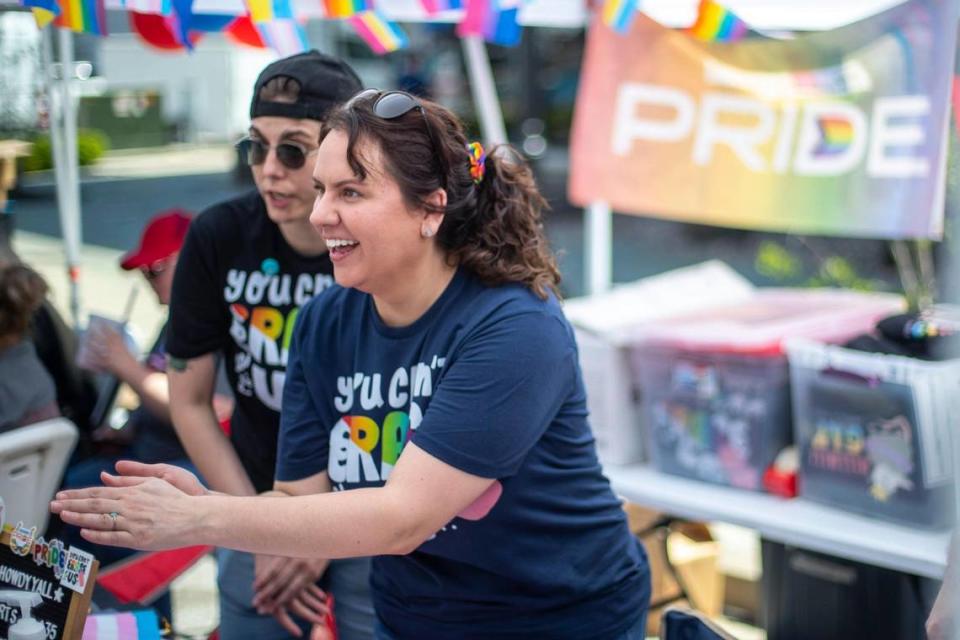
x=148 y=435
x=156 y=256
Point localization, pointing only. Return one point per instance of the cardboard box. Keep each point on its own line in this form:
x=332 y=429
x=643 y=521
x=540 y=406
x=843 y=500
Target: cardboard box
x=685 y=551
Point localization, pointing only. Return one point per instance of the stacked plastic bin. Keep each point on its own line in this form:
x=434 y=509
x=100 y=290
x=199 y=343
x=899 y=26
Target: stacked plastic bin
x=874 y=431
x=716 y=387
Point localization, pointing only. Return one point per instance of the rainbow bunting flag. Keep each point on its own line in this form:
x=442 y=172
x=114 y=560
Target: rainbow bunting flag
x=495 y=20
x=381 y=34
x=619 y=14
x=43 y=17
x=716 y=23
x=83 y=16
x=44 y=11
x=267 y=10
x=433 y=7
x=157 y=7
x=346 y=8
x=184 y=23
x=285 y=36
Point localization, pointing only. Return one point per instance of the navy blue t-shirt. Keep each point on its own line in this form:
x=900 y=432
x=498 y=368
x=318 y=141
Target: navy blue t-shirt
x=487 y=381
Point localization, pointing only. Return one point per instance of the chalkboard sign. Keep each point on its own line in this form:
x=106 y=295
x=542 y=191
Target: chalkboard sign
x=62 y=577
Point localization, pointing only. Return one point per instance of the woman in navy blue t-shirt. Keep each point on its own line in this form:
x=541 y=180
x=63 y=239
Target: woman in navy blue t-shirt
x=434 y=402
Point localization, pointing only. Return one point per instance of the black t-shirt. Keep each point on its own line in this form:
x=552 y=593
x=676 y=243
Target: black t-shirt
x=237 y=290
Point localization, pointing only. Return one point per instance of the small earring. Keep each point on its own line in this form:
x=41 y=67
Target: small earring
x=427 y=233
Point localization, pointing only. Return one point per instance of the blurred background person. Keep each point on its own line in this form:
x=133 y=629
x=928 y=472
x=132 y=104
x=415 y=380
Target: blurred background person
x=27 y=392
x=147 y=435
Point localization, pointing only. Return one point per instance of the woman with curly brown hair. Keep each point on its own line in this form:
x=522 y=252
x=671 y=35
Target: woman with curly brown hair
x=27 y=392
x=434 y=396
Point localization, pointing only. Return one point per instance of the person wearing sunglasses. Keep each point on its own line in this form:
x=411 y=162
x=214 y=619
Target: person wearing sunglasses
x=246 y=268
x=436 y=388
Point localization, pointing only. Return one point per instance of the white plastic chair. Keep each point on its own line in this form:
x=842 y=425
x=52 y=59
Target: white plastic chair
x=32 y=462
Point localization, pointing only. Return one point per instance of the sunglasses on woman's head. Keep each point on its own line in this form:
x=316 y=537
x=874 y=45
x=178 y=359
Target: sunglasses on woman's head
x=393 y=104
x=292 y=156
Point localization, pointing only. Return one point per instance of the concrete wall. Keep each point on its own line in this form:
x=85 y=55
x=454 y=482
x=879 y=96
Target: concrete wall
x=209 y=90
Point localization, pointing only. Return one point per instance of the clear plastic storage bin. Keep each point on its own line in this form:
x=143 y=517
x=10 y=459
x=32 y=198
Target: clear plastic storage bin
x=874 y=431
x=715 y=387
x=716 y=417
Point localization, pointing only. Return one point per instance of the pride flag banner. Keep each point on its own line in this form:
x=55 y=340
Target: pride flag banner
x=83 y=16
x=346 y=8
x=716 y=23
x=619 y=14
x=837 y=133
x=433 y=7
x=381 y=34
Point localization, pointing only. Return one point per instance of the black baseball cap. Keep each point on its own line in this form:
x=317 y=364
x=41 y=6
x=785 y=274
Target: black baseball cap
x=324 y=82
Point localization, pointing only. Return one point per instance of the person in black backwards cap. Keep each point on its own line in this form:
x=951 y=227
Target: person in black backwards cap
x=246 y=268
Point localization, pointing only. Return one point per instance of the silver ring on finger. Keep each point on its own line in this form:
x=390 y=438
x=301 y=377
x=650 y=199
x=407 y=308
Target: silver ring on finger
x=113 y=517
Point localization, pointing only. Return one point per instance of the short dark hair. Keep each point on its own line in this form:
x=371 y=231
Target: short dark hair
x=21 y=293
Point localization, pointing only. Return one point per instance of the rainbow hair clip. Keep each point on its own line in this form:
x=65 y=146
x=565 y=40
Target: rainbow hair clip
x=478 y=161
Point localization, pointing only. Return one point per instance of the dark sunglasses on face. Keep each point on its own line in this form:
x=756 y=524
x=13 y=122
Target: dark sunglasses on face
x=292 y=156
x=393 y=104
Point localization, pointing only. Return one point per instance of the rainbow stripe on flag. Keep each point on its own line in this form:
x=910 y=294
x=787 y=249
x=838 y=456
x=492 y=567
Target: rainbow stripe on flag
x=495 y=20
x=836 y=136
x=346 y=8
x=381 y=34
x=619 y=14
x=285 y=36
x=716 y=23
x=267 y=10
x=83 y=16
x=44 y=11
x=433 y=7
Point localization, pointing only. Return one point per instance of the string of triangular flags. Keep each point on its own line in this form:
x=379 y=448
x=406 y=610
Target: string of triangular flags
x=278 y=24
x=714 y=23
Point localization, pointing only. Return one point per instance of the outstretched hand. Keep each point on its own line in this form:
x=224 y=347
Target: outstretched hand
x=136 y=512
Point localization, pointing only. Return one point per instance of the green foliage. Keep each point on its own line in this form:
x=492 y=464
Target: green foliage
x=41 y=155
x=838 y=272
x=776 y=262
x=91 y=145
